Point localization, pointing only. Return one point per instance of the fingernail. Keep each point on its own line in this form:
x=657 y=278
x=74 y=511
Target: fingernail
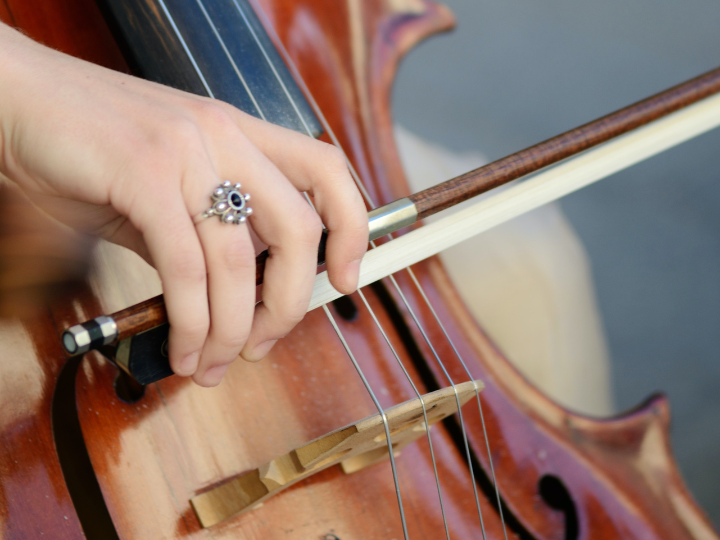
x=353 y=274
x=214 y=375
x=260 y=351
x=188 y=365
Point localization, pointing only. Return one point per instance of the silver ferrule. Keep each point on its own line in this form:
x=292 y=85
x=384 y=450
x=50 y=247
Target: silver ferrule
x=108 y=329
x=392 y=217
x=80 y=338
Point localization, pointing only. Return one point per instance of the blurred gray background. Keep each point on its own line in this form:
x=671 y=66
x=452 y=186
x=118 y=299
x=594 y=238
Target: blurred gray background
x=516 y=72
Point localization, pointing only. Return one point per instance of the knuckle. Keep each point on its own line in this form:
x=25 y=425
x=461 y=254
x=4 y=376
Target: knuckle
x=286 y=313
x=237 y=256
x=184 y=133
x=332 y=155
x=332 y=160
x=232 y=340
x=307 y=228
x=289 y=315
x=186 y=266
x=193 y=331
x=215 y=114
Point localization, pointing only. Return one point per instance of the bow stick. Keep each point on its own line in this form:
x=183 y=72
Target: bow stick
x=606 y=146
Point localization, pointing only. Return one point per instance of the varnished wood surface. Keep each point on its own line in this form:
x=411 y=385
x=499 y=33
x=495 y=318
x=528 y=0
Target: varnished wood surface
x=619 y=472
x=34 y=500
x=152 y=456
x=348 y=54
x=262 y=410
x=75 y=27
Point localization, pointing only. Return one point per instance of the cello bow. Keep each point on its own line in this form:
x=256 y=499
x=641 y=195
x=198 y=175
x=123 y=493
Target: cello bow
x=656 y=136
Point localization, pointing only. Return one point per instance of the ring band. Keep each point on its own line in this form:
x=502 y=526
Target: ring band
x=229 y=204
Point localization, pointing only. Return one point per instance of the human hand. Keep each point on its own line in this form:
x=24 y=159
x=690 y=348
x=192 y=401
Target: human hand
x=135 y=163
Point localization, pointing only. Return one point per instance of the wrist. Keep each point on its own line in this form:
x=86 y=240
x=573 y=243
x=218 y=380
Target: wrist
x=10 y=73
x=19 y=61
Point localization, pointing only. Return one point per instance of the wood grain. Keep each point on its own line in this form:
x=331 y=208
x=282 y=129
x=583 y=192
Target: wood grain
x=152 y=456
x=34 y=499
x=347 y=53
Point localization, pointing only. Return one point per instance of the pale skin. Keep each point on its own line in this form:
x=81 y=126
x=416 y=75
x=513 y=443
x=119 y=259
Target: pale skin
x=135 y=162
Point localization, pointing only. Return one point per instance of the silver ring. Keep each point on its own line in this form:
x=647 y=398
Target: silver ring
x=229 y=204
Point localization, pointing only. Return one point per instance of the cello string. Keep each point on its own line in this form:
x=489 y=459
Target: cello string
x=238 y=73
x=368 y=387
x=477 y=394
x=186 y=48
x=327 y=312
x=229 y=57
x=334 y=324
x=368 y=198
x=370 y=310
x=422 y=403
x=370 y=391
x=457 y=398
x=372 y=204
x=269 y=62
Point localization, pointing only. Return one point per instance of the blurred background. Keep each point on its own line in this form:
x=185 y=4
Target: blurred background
x=516 y=72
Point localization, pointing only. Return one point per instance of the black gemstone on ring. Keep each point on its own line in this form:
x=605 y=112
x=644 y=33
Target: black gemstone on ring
x=236 y=200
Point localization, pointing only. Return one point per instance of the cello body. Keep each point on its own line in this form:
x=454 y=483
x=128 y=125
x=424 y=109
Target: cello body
x=77 y=461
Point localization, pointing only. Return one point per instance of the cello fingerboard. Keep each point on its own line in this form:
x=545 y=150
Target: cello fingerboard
x=214 y=48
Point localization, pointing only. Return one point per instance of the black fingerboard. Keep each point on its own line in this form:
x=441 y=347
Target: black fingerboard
x=215 y=48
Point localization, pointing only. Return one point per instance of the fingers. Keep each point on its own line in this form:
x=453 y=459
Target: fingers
x=284 y=221
x=230 y=259
x=208 y=270
x=175 y=249
x=288 y=281
x=321 y=170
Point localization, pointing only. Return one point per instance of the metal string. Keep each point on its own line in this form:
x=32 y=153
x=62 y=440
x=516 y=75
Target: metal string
x=372 y=204
x=186 y=48
x=367 y=305
x=370 y=201
x=422 y=403
x=380 y=410
x=329 y=315
x=477 y=394
x=457 y=399
x=272 y=67
x=327 y=312
x=229 y=56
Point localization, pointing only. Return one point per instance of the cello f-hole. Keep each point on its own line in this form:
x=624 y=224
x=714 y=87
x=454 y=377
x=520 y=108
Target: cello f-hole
x=346 y=308
x=74 y=460
x=556 y=496
x=127 y=388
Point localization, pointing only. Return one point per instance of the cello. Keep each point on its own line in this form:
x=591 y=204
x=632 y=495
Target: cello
x=558 y=474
